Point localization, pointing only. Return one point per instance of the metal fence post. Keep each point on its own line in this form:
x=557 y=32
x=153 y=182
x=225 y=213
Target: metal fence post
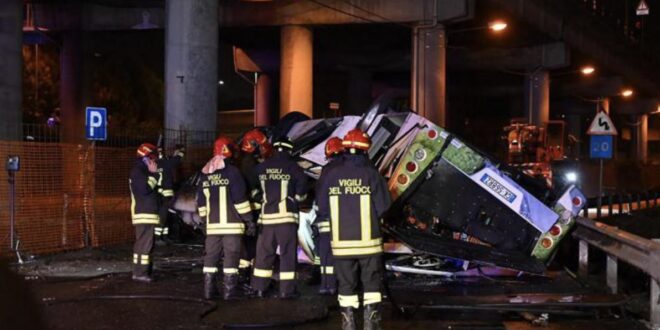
x=655 y=304
x=612 y=273
x=583 y=261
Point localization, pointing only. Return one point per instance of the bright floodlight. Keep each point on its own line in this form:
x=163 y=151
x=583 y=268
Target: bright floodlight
x=571 y=177
x=627 y=92
x=497 y=26
x=587 y=70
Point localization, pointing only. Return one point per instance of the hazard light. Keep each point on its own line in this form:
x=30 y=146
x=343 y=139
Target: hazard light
x=547 y=242
x=555 y=230
x=411 y=167
x=432 y=134
x=402 y=179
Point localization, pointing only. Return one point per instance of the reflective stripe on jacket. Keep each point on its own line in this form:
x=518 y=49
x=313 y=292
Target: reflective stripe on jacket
x=354 y=196
x=143 y=186
x=222 y=201
x=283 y=185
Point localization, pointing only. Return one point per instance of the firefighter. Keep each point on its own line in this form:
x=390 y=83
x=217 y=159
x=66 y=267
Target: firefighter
x=321 y=226
x=222 y=201
x=143 y=184
x=255 y=149
x=166 y=168
x=355 y=196
x=282 y=186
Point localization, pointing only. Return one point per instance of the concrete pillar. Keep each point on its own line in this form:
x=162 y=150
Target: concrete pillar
x=640 y=137
x=72 y=113
x=428 y=85
x=262 y=101
x=296 y=71
x=191 y=65
x=359 y=91
x=11 y=65
x=537 y=97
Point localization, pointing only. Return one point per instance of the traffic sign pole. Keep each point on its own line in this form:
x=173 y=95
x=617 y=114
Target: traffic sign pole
x=601 y=146
x=600 y=188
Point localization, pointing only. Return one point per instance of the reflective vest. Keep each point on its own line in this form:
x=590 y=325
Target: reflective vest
x=282 y=184
x=354 y=196
x=143 y=186
x=322 y=221
x=222 y=201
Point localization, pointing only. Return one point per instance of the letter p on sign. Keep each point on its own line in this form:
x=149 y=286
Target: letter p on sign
x=96 y=122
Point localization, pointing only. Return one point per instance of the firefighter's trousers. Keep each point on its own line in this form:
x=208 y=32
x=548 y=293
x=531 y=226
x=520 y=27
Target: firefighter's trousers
x=351 y=271
x=328 y=278
x=286 y=237
x=144 y=244
x=225 y=247
x=162 y=230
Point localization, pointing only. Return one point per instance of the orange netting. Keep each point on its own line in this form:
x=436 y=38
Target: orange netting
x=72 y=196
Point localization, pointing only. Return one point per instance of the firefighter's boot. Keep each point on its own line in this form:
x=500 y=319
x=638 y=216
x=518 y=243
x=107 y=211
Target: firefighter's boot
x=141 y=274
x=372 y=317
x=210 y=286
x=348 y=318
x=230 y=287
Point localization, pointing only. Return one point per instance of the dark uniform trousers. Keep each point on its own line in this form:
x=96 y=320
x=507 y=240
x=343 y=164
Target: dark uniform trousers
x=144 y=244
x=225 y=247
x=286 y=236
x=163 y=212
x=328 y=279
x=367 y=269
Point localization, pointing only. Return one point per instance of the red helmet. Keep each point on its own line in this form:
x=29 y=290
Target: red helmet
x=333 y=147
x=356 y=139
x=252 y=140
x=223 y=146
x=147 y=150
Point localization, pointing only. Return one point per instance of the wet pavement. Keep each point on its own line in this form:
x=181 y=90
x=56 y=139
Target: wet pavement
x=92 y=289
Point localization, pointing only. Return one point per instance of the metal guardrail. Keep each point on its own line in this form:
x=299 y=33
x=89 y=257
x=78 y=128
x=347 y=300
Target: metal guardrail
x=621 y=245
x=621 y=203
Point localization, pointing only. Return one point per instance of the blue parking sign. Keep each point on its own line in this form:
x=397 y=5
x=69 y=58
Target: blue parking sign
x=96 y=124
x=601 y=147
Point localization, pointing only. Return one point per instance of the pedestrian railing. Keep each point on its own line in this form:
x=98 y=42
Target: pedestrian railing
x=621 y=245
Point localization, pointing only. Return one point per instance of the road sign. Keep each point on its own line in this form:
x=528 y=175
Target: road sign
x=96 y=124
x=601 y=147
x=642 y=8
x=602 y=125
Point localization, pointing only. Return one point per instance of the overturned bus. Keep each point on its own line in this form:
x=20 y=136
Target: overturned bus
x=450 y=201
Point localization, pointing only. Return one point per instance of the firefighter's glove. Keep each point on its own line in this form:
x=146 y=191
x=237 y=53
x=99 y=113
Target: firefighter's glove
x=250 y=228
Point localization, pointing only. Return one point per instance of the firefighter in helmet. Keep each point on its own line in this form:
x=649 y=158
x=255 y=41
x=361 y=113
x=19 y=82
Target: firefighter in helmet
x=222 y=201
x=255 y=148
x=143 y=184
x=321 y=226
x=282 y=185
x=166 y=167
x=355 y=196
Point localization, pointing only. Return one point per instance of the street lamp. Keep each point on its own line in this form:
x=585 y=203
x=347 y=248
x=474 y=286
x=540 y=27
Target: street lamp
x=497 y=25
x=587 y=70
x=627 y=92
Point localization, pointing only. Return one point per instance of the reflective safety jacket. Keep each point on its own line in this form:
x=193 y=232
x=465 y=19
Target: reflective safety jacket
x=282 y=184
x=322 y=221
x=355 y=196
x=247 y=164
x=166 y=167
x=222 y=201
x=144 y=195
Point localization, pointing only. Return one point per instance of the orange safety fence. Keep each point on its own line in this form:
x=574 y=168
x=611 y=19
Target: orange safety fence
x=71 y=196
